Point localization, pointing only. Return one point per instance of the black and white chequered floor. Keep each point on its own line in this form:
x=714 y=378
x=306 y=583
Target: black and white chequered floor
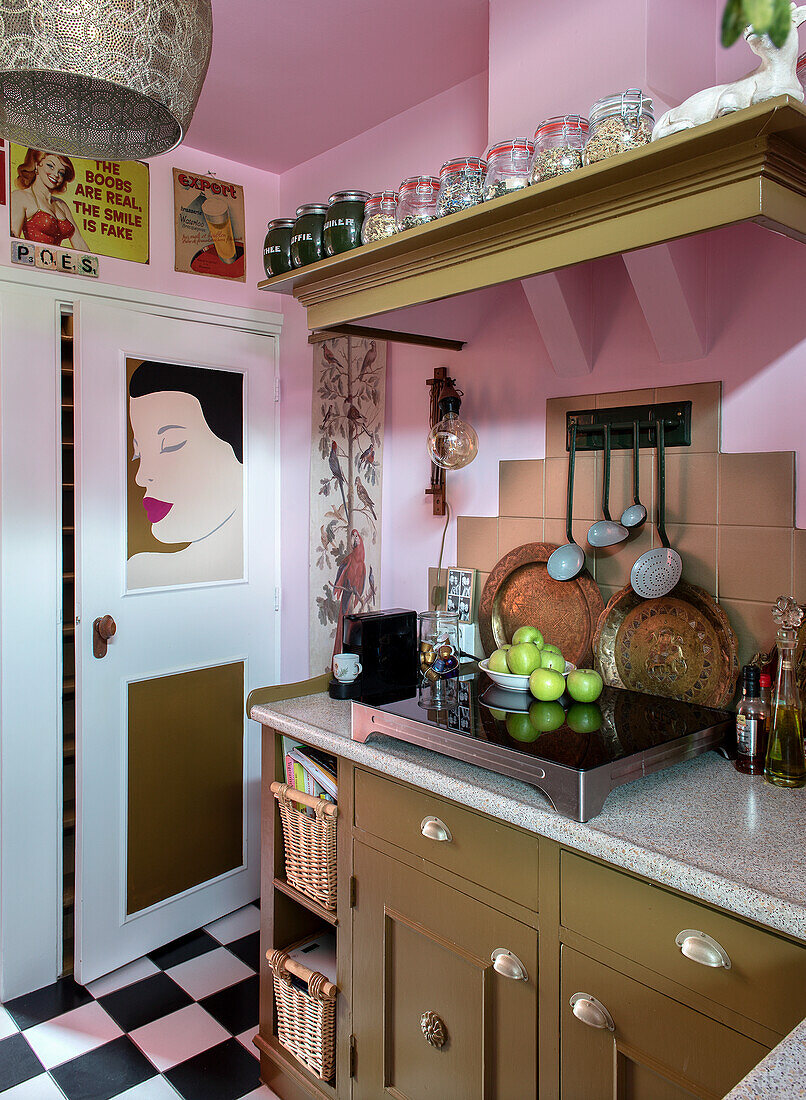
x=175 y=1024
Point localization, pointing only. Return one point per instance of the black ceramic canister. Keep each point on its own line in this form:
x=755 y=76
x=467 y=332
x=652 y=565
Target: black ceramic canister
x=345 y=216
x=306 y=236
x=277 y=247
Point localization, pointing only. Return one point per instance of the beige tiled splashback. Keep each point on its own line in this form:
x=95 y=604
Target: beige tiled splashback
x=731 y=516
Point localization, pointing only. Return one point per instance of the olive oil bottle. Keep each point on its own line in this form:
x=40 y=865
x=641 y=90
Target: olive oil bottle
x=785 y=765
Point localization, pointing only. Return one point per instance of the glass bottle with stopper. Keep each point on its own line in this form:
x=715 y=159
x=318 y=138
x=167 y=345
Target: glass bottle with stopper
x=785 y=765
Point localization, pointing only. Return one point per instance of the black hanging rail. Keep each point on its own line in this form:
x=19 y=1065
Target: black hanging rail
x=590 y=425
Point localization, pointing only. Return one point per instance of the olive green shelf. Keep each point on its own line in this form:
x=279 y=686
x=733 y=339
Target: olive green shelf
x=749 y=166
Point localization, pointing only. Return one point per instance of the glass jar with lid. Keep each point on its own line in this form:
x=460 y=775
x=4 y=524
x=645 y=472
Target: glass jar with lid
x=343 y=221
x=277 y=247
x=559 y=145
x=508 y=167
x=379 y=217
x=461 y=184
x=306 y=236
x=619 y=123
x=417 y=201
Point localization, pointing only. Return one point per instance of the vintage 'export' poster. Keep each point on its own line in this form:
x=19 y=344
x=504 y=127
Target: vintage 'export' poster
x=349 y=385
x=97 y=206
x=209 y=227
x=185 y=491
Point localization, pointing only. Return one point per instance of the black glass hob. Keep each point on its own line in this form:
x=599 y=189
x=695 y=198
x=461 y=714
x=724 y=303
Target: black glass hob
x=574 y=753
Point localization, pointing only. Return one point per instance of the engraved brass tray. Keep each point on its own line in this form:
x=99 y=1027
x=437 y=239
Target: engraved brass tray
x=519 y=592
x=680 y=645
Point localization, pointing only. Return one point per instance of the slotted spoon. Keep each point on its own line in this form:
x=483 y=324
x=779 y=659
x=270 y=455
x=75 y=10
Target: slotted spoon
x=657 y=571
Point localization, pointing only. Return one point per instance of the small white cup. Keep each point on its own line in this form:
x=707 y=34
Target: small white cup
x=346 y=667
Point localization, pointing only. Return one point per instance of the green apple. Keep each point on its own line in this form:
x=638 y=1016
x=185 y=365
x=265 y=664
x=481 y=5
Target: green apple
x=520 y=728
x=584 y=718
x=506 y=646
x=546 y=717
x=528 y=634
x=523 y=658
x=584 y=685
x=552 y=648
x=498 y=661
x=546 y=684
x=498 y=715
x=550 y=659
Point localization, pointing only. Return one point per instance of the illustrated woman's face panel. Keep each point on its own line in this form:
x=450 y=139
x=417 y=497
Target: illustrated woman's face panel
x=51 y=170
x=192 y=479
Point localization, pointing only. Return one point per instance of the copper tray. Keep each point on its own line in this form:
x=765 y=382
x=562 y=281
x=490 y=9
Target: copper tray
x=519 y=592
x=680 y=645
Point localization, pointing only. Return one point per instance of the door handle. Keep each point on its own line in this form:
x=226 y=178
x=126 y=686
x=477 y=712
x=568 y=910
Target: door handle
x=434 y=829
x=702 y=949
x=103 y=629
x=508 y=965
x=591 y=1012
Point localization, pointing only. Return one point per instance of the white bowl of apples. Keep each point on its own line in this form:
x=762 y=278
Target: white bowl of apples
x=512 y=665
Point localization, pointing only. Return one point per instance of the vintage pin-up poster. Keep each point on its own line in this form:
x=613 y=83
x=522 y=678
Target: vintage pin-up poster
x=346 y=465
x=185 y=490
x=209 y=227
x=86 y=205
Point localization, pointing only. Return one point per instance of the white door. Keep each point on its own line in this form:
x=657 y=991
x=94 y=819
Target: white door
x=176 y=541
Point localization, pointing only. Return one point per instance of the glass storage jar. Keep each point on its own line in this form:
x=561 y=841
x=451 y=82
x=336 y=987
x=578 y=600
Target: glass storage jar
x=417 y=201
x=343 y=221
x=559 y=144
x=277 y=247
x=379 y=217
x=306 y=236
x=461 y=184
x=508 y=166
x=619 y=123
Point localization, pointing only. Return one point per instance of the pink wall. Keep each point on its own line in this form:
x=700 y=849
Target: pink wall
x=261 y=194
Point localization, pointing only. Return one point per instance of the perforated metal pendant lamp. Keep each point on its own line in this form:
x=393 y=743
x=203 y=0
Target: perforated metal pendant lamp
x=104 y=79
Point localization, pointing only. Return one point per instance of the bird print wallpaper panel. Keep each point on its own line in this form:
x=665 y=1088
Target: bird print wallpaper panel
x=349 y=396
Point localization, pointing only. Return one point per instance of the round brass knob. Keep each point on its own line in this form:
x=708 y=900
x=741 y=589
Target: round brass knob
x=433 y=1028
x=107 y=627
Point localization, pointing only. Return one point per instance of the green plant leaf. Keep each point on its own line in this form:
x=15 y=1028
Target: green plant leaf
x=733 y=22
x=759 y=14
x=781 y=22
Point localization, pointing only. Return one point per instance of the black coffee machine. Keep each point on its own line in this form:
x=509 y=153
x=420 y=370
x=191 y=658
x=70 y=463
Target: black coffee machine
x=386 y=644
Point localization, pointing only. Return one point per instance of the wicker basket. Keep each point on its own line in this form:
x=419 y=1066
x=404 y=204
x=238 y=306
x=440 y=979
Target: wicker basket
x=310 y=844
x=306 y=1021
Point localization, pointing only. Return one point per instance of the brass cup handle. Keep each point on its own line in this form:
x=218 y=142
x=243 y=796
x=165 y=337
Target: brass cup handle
x=508 y=965
x=702 y=949
x=591 y=1012
x=434 y=829
x=103 y=629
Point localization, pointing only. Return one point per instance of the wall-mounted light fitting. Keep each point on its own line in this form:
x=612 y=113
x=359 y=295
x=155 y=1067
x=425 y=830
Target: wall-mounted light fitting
x=452 y=442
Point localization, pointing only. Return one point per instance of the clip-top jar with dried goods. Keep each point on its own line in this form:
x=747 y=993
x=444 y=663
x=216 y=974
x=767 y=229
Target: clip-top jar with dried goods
x=508 y=167
x=306 y=236
x=343 y=221
x=379 y=217
x=417 y=201
x=277 y=247
x=619 y=123
x=461 y=184
x=559 y=145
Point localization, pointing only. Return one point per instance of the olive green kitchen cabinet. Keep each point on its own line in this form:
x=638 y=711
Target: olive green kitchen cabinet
x=436 y=1013
x=625 y=1041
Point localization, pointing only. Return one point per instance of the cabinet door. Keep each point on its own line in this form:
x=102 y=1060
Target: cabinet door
x=422 y=963
x=659 y=1049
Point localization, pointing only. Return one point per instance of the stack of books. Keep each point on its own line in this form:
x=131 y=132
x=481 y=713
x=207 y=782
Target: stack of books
x=310 y=770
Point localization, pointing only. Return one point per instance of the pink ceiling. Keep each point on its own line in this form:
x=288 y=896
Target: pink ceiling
x=289 y=79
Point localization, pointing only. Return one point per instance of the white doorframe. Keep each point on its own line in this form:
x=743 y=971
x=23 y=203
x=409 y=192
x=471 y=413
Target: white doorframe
x=30 y=597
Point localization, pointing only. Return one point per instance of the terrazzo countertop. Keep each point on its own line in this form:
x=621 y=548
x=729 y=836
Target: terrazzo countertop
x=700 y=827
x=781 y=1074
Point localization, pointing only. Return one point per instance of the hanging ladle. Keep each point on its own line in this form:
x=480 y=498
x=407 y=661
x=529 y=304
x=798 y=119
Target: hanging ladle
x=566 y=562
x=657 y=571
x=606 y=532
x=635 y=516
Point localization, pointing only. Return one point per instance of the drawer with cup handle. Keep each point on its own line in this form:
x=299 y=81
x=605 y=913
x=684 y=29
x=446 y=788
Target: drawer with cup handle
x=758 y=974
x=472 y=845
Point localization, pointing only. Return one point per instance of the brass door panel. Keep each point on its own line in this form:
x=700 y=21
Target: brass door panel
x=481 y=849
x=659 y=1050
x=422 y=949
x=186 y=781
x=766 y=981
